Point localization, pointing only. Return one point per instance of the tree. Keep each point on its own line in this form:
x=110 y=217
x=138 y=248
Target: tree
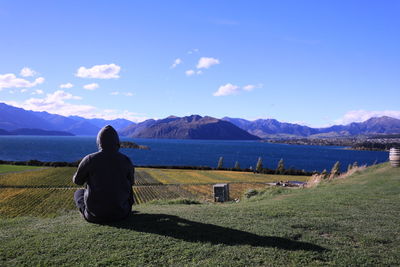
x=324 y=174
x=280 y=169
x=259 y=165
x=220 y=163
x=349 y=167
x=335 y=169
x=237 y=166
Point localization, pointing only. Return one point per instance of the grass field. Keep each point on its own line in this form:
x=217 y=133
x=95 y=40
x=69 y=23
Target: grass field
x=345 y=222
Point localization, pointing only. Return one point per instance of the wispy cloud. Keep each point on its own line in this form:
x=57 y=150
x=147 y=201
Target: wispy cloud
x=190 y=72
x=251 y=87
x=109 y=71
x=231 y=89
x=9 y=80
x=176 y=63
x=122 y=93
x=66 y=85
x=27 y=72
x=38 y=92
x=363 y=115
x=207 y=62
x=192 y=51
x=91 y=86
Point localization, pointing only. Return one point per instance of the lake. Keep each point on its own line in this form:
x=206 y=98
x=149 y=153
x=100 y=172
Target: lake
x=189 y=152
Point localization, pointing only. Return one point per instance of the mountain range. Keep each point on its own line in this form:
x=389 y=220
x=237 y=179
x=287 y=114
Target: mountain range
x=271 y=128
x=189 y=127
x=13 y=118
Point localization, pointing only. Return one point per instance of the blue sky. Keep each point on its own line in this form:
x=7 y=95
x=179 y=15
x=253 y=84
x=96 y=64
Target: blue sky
x=311 y=62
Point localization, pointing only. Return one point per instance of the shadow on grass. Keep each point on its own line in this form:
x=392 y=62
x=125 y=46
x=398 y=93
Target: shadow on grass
x=191 y=231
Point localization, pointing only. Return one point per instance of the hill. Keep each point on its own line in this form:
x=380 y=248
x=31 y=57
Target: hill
x=270 y=128
x=344 y=222
x=190 y=127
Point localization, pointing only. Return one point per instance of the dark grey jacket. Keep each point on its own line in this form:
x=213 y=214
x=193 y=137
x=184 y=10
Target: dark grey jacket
x=109 y=177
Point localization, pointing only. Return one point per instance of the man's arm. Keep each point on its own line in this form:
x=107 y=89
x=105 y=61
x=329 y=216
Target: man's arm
x=132 y=176
x=131 y=172
x=82 y=173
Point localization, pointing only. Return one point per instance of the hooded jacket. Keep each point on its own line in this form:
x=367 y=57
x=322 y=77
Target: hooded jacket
x=109 y=177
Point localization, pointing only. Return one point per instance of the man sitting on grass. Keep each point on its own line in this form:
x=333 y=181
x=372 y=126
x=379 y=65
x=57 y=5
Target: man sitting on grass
x=109 y=177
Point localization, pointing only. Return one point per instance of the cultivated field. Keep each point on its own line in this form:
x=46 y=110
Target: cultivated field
x=49 y=191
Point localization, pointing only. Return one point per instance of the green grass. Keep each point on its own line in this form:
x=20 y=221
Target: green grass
x=347 y=222
x=15 y=168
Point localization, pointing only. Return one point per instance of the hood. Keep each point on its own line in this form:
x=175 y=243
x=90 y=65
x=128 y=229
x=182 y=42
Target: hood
x=107 y=139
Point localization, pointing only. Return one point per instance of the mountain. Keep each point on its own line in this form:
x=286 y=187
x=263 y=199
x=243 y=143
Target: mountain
x=12 y=118
x=26 y=131
x=271 y=128
x=118 y=124
x=190 y=127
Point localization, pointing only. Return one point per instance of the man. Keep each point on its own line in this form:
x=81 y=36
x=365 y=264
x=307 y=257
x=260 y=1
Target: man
x=109 y=177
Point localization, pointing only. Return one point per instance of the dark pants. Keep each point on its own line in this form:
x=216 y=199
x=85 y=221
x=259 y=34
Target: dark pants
x=79 y=201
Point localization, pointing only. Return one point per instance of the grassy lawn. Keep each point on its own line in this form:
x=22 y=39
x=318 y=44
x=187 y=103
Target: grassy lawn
x=346 y=222
x=15 y=168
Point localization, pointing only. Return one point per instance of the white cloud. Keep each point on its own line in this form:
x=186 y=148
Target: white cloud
x=206 y=62
x=57 y=103
x=66 y=85
x=24 y=90
x=251 y=87
x=230 y=89
x=114 y=93
x=9 y=80
x=363 y=115
x=91 y=86
x=109 y=71
x=176 y=63
x=128 y=94
x=27 y=72
x=38 y=92
x=227 y=89
x=189 y=72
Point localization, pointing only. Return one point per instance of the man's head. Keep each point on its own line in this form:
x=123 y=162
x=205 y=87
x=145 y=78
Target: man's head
x=107 y=139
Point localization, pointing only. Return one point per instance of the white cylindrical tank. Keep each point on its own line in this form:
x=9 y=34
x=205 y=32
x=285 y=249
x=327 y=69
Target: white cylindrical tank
x=394 y=157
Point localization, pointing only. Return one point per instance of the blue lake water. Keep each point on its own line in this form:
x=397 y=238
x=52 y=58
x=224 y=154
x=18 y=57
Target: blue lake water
x=189 y=152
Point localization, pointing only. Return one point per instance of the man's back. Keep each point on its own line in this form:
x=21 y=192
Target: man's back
x=108 y=175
